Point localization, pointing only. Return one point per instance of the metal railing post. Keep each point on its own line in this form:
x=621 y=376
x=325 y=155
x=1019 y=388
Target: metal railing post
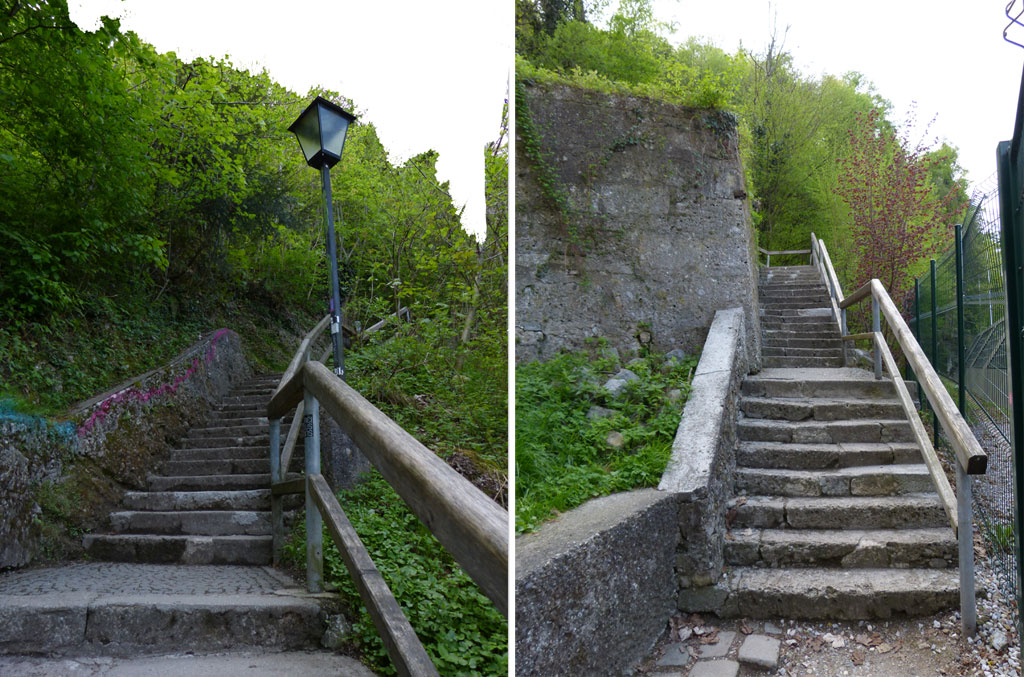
x=276 y=513
x=843 y=331
x=314 y=521
x=935 y=346
x=965 y=518
x=876 y=326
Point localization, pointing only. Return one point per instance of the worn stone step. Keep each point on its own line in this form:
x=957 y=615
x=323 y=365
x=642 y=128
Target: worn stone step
x=192 y=522
x=220 y=453
x=820 y=409
x=213 y=430
x=829 y=332
x=179 y=549
x=249 y=499
x=247 y=409
x=838 y=383
x=222 y=466
x=781 y=306
x=842 y=512
x=934 y=548
x=237 y=441
x=797 y=316
x=773 y=288
x=785 y=362
x=245 y=401
x=831 y=343
x=127 y=610
x=824 y=456
x=786 y=351
x=829 y=432
x=843 y=594
x=208 y=482
x=862 y=480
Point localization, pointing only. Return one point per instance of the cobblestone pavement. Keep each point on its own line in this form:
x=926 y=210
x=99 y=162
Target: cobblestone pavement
x=118 y=578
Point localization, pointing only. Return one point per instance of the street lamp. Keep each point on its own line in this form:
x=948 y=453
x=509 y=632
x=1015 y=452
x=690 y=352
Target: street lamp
x=321 y=130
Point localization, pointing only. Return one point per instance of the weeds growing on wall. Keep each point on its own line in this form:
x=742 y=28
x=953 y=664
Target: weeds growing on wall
x=563 y=457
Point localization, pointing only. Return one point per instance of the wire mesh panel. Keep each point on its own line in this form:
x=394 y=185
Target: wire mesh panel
x=987 y=383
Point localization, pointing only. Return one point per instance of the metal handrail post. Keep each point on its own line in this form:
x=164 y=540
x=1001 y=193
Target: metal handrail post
x=876 y=327
x=314 y=521
x=276 y=512
x=965 y=532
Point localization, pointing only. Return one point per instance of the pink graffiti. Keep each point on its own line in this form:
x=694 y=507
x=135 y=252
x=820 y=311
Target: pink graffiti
x=136 y=395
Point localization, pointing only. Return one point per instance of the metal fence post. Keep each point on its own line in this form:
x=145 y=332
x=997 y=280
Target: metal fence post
x=1013 y=260
x=276 y=513
x=933 y=358
x=314 y=521
x=964 y=503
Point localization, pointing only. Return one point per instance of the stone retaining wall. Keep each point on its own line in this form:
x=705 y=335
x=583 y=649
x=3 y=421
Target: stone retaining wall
x=656 y=235
x=60 y=477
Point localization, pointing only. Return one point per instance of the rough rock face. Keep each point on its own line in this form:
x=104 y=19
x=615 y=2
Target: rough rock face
x=656 y=236
x=72 y=472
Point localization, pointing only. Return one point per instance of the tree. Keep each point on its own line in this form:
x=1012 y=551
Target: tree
x=898 y=214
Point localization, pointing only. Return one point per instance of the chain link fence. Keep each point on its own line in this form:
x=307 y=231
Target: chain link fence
x=982 y=345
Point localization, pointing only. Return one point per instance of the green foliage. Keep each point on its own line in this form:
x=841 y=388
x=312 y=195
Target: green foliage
x=459 y=627
x=562 y=457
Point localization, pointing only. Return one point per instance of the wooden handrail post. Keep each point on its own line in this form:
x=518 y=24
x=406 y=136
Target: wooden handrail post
x=843 y=331
x=276 y=513
x=314 y=521
x=876 y=326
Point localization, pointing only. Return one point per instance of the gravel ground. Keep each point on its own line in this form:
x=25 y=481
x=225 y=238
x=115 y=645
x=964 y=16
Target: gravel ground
x=912 y=647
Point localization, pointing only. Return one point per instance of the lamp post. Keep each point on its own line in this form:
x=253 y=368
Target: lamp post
x=321 y=130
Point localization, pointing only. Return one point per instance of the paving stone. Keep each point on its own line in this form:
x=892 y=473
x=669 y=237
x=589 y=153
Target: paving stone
x=675 y=654
x=772 y=629
x=760 y=651
x=720 y=649
x=719 y=668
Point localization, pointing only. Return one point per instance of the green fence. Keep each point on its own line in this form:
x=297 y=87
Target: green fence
x=971 y=357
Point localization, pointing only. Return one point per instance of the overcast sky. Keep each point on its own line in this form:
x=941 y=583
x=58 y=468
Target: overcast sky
x=429 y=75
x=948 y=56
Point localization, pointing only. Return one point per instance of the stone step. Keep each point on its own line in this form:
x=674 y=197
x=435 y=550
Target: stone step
x=208 y=482
x=810 y=362
x=244 y=401
x=832 y=343
x=797 y=316
x=249 y=499
x=824 y=456
x=179 y=549
x=862 y=480
x=220 y=453
x=828 y=432
x=842 y=594
x=820 y=409
x=842 y=512
x=843 y=549
x=192 y=522
x=779 y=306
x=775 y=351
x=213 y=430
x=829 y=383
x=222 y=466
x=237 y=441
x=823 y=332
x=124 y=610
x=775 y=290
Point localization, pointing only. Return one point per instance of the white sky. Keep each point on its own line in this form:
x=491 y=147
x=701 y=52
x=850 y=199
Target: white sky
x=429 y=75
x=948 y=56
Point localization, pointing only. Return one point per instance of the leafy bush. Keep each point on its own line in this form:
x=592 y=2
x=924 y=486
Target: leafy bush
x=460 y=628
x=562 y=456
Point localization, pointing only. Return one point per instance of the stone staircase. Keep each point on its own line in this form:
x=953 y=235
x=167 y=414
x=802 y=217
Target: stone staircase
x=175 y=576
x=209 y=503
x=836 y=515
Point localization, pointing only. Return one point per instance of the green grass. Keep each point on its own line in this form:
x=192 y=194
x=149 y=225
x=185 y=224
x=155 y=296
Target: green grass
x=562 y=457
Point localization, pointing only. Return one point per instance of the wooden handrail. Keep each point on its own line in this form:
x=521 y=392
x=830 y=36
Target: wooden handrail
x=297 y=359
x=786 y=251
x=470 y=526
x=293 y=438
x=400 y=640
